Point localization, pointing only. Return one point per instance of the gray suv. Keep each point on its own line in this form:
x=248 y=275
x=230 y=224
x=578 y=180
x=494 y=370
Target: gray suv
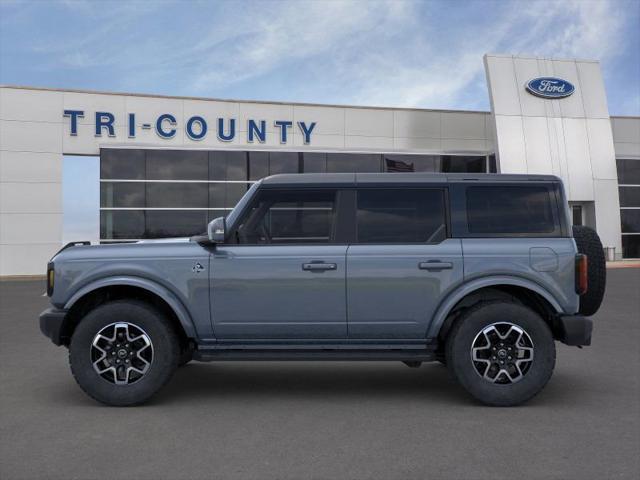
x=479 y=272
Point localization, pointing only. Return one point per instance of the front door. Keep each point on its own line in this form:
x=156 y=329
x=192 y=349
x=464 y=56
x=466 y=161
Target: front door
x=402 y=264
x=282 y=276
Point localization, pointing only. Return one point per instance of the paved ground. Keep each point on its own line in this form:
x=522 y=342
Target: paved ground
x=324 y=421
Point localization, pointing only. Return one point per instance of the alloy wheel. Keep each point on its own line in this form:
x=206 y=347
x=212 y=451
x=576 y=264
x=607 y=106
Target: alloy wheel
x=502 y=353
x=121 y=353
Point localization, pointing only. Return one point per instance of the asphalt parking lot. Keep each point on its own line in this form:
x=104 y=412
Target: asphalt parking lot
x=322 y=420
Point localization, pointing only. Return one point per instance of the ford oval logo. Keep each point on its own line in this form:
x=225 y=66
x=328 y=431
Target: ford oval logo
x=550 y=87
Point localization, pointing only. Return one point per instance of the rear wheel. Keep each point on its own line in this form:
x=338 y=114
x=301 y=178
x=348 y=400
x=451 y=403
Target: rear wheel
x=502 y=353
x=123 y=352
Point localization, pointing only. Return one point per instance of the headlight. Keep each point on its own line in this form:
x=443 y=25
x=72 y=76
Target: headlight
x=50 y=278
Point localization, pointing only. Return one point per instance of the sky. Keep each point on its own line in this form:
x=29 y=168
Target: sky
x=379 y=53
x=388 y=53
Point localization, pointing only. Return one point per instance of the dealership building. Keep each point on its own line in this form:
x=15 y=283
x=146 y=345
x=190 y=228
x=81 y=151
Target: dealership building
x=168 y=165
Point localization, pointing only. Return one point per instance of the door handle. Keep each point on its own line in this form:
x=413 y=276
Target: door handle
x=435 y=266
x=319 y=266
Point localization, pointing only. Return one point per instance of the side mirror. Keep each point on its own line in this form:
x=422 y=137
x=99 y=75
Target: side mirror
x=215 y=230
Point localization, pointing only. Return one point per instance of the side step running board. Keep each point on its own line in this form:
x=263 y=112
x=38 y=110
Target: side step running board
x=418 y=355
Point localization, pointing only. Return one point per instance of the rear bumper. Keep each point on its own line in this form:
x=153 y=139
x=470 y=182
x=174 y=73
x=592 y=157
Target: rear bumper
x=51 y=323
x=574 y=330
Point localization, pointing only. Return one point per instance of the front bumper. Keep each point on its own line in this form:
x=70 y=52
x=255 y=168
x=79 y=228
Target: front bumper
x=574 y=330
x=51 y=324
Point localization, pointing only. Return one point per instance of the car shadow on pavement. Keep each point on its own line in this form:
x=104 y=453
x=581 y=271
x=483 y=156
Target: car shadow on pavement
x=310 y=380
x=233 y=381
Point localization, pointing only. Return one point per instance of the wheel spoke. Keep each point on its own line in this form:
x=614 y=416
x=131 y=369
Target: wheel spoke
x=114 y=350
x=502 y=353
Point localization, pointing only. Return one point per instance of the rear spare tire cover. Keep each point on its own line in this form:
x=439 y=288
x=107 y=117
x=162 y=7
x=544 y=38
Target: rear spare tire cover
x=588 y=243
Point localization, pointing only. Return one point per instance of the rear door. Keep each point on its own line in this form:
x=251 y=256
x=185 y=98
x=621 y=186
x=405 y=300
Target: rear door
x=402 y=263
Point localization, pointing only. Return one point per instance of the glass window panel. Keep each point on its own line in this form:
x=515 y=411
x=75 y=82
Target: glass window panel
x=463 y=164
x=121 y=224
x=217 y=195
x=576 y=213
x=401 y=216
x=177 y=195
x=226 y=195
x=412 y=163
x=235 y=191
x=629 y=196
x=123 y=164
x=258 y=165
x=279 y=217
x=177 y=165
x=314 y=162
x=236 y=165
x=283 y=162
x=175 y=223
x=630 y=221
x=628 y=171
x=128 y=195
x=504 y=209
x=631 y=246
x=353 y=162
x=217 y=165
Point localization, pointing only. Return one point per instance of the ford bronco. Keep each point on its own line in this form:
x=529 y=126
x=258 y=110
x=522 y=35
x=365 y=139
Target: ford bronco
x=482 y=273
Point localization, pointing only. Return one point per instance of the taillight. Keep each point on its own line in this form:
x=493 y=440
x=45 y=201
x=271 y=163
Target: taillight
x=582 y=283
x=50 y=278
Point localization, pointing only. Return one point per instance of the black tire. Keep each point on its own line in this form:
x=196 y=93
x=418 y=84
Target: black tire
x=185 y=356
x=588 y=243
x=468 y=328
x=165 y=352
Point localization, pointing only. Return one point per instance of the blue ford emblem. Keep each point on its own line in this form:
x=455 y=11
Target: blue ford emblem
x=550 y=87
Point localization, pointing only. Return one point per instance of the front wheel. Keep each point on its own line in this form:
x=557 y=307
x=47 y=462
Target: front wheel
x=123 y=352
x=502 y=353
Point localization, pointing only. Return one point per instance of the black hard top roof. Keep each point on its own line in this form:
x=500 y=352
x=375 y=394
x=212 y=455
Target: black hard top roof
x=354 y=179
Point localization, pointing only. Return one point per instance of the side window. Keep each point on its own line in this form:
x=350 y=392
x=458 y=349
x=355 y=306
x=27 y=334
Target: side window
x=516 y=210
x=289 y=217
x=401 y=216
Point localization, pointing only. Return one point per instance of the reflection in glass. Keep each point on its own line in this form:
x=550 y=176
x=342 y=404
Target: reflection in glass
x=464 y=164
x=314 y=162
x=177 y=195
x=122 y=194
x=401 y=216
x=122 y=224
x=505 y=210
x=628 y=171
x=171 y=223
x=412 y=163
x=630 y=221
x=283 y=162
x=353 y=162
x=177 y=165
x=288 y=217
x=631 y=246
x=258 y=165
x=629 y=196
x=122 y=164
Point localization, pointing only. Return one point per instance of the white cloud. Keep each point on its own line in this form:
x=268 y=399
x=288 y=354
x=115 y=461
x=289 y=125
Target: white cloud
x=276 y=37
x=387 y=52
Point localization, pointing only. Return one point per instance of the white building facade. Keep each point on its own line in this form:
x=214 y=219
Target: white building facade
x=170 y=164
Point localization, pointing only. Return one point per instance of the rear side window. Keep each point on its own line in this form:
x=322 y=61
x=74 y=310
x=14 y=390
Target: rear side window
x=401 y=216
x=512 y=210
